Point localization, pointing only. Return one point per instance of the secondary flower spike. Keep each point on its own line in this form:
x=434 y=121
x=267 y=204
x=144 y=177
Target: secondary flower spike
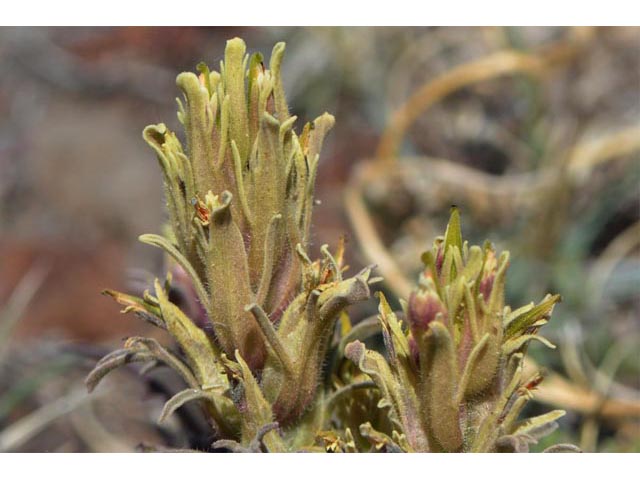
x=454 y=380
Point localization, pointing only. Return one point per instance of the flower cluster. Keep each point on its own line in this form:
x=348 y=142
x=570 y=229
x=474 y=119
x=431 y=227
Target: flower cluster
x=258 y=316
x=453 y=378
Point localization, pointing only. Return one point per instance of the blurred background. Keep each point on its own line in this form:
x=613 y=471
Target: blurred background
x=533 y=132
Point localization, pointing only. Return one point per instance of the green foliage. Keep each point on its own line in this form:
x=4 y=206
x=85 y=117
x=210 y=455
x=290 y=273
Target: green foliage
x=240 y=199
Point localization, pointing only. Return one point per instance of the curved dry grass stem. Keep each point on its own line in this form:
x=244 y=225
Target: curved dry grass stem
x=21 y=431
x=367 y=234
x=94 y=433
x=493 y=66
x=557 y=391
x=588 y=154
x=621 y=246
x=589 y=435
x=17 y=304
x=506 y=62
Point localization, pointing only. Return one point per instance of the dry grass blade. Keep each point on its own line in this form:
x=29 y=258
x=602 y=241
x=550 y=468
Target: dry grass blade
x=495 y=65
x=621 y=246
x=587 y=155
x=21 y=431
x=94 y=433
x=18 y=301
x=557 y=391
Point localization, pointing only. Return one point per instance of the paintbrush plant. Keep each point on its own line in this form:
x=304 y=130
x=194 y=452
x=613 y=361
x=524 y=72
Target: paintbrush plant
x=240 y=198
x=453 y=377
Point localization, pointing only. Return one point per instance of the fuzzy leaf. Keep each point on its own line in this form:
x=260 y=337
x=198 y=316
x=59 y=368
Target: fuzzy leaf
x=164 y=244
x=228 y=276
x=395 y=340
x=183 y=397
x=539 y=426
x=278 y=90
x=515 y=344
x=199 y=125
x=496 y=299
x=437 y=358
x=234 y=70
x=138 y=349
x=374 y=365
x=528 y=318
x=258 y=411
x=360 y=331
x=198 y=348
x=112 y=361
x=140 y=307
x=453 y=234
x=473 y=263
